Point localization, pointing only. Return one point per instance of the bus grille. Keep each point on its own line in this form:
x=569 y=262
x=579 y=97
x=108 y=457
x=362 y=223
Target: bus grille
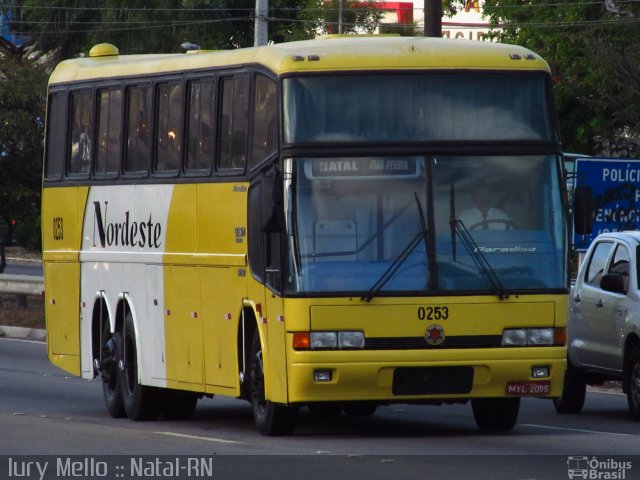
x=419 y=343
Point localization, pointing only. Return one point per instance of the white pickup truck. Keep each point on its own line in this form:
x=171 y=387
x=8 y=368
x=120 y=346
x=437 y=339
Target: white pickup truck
x=604 y=322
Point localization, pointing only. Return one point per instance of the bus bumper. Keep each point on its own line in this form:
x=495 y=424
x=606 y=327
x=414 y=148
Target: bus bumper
x=405 y=376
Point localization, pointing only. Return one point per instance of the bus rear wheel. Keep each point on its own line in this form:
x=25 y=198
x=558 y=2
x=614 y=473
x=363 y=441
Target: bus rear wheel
x=270 y=418
x=140 y=402
x=111 y=390
x=495 y=414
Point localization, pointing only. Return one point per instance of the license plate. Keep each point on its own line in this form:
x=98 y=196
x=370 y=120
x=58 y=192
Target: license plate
x=535 y=387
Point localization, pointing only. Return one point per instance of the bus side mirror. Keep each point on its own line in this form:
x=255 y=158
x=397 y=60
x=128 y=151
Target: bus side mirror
x=272 y=203
x=582 y=210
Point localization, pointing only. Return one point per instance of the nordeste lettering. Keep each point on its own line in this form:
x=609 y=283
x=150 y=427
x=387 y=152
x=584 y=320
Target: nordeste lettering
x=127 y=233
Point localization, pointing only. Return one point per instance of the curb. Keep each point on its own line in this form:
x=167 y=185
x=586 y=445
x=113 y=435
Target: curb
x=22 y=333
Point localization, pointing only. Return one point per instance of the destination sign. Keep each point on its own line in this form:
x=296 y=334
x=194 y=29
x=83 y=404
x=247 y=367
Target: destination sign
x=364 y=167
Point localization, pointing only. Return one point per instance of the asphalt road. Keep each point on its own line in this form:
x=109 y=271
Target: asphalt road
x=16 y=268
x=43 y=411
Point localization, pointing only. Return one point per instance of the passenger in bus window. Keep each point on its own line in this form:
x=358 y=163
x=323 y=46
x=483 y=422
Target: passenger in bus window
x=483 y=216
x=80 y=150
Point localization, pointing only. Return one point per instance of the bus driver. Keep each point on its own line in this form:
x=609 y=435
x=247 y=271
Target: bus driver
x=482 y=216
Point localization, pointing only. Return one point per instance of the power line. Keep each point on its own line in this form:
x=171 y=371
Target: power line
x=164 y=25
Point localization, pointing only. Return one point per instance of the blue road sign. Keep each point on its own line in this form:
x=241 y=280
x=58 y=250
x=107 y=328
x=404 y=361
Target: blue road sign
x=615 y=185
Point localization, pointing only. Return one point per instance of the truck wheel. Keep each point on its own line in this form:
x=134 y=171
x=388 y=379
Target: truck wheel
x=633 y=382
x=573 y=392
x=495 y=414
x=270 y=418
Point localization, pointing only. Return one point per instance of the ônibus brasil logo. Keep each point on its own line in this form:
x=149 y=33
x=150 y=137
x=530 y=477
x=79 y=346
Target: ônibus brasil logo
x=593 y=468
x=125 y=233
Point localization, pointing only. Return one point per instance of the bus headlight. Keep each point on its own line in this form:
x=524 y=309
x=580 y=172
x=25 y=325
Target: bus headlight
x=514 y=337
x=350 y=340
x=540 y=336
x=323 y=340
x=340 y=340
x=533 y=337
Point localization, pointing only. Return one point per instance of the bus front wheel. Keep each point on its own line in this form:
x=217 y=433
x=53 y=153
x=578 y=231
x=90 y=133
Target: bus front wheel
x=573 y=391
x=495 y=414
x=270 y=418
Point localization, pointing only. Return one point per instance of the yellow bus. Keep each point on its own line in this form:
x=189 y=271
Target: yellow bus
x=333 y=224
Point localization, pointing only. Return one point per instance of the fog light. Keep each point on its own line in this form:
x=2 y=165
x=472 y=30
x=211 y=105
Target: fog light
x=540 y=372
x=322 y=375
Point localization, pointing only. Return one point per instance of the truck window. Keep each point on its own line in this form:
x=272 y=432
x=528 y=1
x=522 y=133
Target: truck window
x=597 y=263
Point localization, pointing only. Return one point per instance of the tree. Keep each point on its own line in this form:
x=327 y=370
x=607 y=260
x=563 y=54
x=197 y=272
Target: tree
x=22 y=95
x=593 y=49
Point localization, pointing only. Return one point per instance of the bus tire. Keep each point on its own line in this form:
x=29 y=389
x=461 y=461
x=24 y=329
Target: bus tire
x=632 y=375
x=177 y=404
x=140 y=402
x=111 y=391
x=573 y=392
x=495 y=414
x=270 y=418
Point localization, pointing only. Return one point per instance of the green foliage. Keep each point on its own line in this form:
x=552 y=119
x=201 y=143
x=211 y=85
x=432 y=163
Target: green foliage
x=22 y=97
x=594 y=54
x=28 y=233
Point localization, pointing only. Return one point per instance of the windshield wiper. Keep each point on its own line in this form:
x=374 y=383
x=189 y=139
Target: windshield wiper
x=457 y=226
x=399 y=260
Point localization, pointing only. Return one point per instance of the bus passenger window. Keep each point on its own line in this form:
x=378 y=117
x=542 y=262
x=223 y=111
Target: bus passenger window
x=265 y=127
x=138 y=130
x=81 y=133
x=233 y=123
x=56 y=125
x=109 y=136
x=169 y=121
x=200 y=125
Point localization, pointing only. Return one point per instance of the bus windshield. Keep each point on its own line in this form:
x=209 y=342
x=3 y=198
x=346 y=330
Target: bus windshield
x=420 y=107
x=398 y=224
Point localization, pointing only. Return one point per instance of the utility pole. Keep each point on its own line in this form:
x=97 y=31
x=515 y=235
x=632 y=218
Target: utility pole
x=432 y=18
x=340 y=16
x=261 y=30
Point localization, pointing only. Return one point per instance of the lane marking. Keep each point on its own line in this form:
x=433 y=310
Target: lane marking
x=578 y=430
x=605 y=391
x=197 y=437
